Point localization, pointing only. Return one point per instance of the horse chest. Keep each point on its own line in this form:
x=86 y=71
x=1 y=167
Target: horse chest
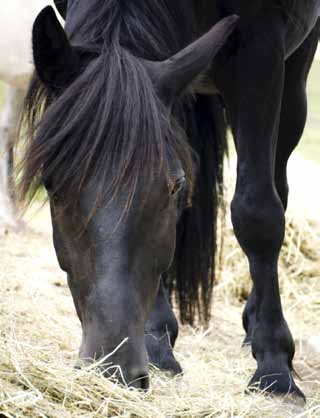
x=302 y=15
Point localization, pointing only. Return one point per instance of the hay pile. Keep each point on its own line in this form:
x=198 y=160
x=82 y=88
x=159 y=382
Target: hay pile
x=299 y=265
x=40 y=336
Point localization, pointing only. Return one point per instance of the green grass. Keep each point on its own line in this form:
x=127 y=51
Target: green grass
x=310 y=143
x=314 y=89
x=3 y=90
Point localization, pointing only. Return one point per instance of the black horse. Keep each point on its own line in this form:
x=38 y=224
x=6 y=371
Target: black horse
x=128 y=139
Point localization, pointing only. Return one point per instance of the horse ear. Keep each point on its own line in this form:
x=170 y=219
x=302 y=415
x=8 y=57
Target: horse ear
x=62 y=6
x=175 y=74
x=56 y=61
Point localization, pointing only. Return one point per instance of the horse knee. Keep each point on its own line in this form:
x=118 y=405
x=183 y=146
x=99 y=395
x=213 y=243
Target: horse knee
x=258 y=221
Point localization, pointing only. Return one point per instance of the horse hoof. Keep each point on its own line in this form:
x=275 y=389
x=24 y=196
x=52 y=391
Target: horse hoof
x=276 y=383
x=163 y=359
x=168 y=364
x=161 y=355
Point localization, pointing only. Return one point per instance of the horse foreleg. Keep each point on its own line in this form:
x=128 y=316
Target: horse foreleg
x=292 y=124
x=253 y=82
x=161 y=332
x=8 y=130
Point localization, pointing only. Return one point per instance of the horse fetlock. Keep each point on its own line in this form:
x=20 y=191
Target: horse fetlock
x=160 y=338
x=272 y=343
x=274 y=352
x=249 y=322
x=274 y=379
x=160 y=352
x=161 y=332
x=249 y=319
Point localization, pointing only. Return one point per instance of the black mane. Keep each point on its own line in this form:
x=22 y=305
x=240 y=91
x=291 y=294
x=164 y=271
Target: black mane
x=152 y=30
x=108 y=126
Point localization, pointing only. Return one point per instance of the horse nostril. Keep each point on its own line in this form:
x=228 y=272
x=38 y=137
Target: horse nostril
x=140 y=382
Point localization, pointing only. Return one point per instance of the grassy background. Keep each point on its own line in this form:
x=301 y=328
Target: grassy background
x=314 y=89
x=3 y=89
x=309 y=147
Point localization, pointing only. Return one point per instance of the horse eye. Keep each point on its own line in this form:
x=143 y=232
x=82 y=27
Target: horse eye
x=178 y=186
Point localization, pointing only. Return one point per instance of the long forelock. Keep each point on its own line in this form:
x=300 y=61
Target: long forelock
x=108 y=127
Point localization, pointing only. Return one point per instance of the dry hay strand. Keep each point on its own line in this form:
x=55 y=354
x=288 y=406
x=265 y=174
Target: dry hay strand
x=39 y=382
x=299 y=263
x=40 y=336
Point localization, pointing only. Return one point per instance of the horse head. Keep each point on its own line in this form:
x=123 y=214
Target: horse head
x=117 y=167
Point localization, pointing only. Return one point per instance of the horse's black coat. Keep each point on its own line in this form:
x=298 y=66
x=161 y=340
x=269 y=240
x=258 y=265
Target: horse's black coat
x=107 y=139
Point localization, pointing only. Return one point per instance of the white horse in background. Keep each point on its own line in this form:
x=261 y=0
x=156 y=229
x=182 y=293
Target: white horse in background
x=16 y=20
